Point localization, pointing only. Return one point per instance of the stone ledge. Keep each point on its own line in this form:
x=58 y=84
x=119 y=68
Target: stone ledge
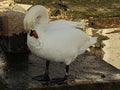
x=88 y=72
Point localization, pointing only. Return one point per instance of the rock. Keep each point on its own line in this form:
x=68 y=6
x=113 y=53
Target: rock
x=87 y=73
x=15 y=43
x=112 y=46
x=15 y=14
x=13 y=36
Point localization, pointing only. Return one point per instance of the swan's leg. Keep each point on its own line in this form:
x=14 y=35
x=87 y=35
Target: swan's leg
x=67 y=72
x=47 y=70
x=62 y=80
x=44 y=77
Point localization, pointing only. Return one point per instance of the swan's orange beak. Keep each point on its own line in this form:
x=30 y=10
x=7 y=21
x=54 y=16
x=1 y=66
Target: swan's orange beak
x=34 y=33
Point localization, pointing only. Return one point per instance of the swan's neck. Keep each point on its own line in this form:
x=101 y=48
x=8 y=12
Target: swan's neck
x=41 y=20
x=36 y=18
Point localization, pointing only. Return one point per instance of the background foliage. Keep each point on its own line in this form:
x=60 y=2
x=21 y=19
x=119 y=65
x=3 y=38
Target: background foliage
x=81 y=8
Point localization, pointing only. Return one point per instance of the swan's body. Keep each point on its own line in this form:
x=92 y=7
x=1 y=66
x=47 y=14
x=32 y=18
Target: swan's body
x=59 y=40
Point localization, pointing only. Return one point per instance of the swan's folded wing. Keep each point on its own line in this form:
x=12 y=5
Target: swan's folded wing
x=64 y=24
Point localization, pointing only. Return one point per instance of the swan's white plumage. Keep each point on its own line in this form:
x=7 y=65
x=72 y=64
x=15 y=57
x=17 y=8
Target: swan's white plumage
x=59 y=40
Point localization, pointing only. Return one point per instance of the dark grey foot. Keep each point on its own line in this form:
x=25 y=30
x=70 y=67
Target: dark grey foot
x=41 y=78
x=59 y=80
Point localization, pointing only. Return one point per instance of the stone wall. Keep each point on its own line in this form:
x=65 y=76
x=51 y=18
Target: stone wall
x=13 y=37
x=15 y=15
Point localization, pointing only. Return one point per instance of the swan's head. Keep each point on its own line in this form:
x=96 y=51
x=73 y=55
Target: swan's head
x=36 y=16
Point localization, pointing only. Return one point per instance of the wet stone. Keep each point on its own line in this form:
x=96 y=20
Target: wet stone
x=10 y=43
x=88 y=72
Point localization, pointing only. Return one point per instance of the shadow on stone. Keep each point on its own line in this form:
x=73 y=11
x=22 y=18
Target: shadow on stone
x=88 y=72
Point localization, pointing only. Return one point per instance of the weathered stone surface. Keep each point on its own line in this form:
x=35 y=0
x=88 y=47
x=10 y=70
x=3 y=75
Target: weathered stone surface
x=87 y=72
x=15 y=43
x=112 y=46
x=12 y=30
x=15 y=14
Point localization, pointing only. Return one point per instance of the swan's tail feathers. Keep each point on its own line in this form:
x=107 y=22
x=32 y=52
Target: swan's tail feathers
x=89 y=43
x=93 y=40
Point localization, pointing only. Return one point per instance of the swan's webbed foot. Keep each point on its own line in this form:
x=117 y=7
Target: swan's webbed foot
x=60 y=80
x=42 y=78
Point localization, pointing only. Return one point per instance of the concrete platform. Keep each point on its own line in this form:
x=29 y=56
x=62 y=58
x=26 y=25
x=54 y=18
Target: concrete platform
x=87 y=73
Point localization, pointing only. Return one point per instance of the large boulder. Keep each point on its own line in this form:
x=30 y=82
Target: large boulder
x=13 y=37
x=14 y=14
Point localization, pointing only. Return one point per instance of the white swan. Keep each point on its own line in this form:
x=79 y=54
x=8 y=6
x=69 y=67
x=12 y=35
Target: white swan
x=58 y=41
